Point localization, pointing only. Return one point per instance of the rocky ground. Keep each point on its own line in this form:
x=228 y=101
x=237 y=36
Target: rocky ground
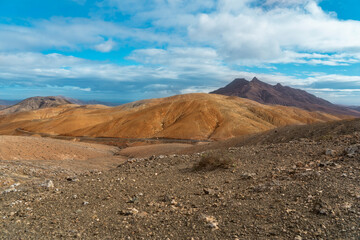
x=307 y=188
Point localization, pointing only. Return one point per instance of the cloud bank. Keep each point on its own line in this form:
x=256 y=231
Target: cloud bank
x=175 y=46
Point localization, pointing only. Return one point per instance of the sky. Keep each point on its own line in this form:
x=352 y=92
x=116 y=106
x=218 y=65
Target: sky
x=126 y=50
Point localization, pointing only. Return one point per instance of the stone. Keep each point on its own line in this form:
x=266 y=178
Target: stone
x=48 y=184
x=352 y=150
x=247 y=176
x=129 y=212
x=210 y=221
x=72 y=179
x=209 y=191
x=330 y=152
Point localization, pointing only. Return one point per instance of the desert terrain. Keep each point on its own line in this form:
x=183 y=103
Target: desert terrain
x=296 y=182
x=194 y=166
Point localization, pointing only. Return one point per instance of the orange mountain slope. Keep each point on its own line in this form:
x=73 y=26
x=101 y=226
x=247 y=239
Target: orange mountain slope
x=189 y=116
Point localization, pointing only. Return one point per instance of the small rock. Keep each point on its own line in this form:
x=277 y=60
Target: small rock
x=210 y=221
x=85 y=203
x=142 y=214
x=209 y=191
x=330 y=152
x=347 y=206
x=298 y=238
x=11 y=188
x=48 y=184
x=129 y=211
x=72 y=179
x=247 y=176
x=167 y=198
x=353 y=149
x=321 y=208
x=133 y=199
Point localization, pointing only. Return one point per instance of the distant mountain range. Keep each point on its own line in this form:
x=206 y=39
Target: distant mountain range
x=281 y=95
x=357 y=108
x=35 y=103
x=6 y=103
x=190 y=116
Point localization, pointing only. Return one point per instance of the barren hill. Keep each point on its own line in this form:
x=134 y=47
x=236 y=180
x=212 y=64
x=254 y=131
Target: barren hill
x=281 y=95
x=190 y=116
x=35 y=103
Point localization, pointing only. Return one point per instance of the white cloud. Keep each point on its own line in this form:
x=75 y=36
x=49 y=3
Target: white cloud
x=72 y=33
x=68 y=88
x=242 y=32
x=106 y=46
x=173 y=71
x=250 y=35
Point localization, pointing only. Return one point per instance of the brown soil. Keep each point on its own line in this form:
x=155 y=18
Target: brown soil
x=35 y=148
x=285 y=189
x=153 y=149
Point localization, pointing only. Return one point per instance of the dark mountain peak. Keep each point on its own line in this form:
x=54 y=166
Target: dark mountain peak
x=281 y=95
x=238 y=82
x=255 y=79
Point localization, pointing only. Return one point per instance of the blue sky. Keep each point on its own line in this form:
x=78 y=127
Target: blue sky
x=125 y=50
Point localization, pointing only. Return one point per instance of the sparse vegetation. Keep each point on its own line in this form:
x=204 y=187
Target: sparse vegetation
x=214 y=160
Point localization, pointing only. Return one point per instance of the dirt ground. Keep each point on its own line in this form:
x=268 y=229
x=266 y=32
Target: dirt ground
x=305 y=188
x=154 y=149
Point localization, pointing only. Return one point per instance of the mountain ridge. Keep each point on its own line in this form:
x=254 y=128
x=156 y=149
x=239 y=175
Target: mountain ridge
x=281 y=95
x=196 y=116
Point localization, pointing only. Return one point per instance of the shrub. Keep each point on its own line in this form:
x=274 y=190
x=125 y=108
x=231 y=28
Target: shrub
x=214 y=160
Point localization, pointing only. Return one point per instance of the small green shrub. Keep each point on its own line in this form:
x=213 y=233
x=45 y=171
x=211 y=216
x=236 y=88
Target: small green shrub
x=214 y=160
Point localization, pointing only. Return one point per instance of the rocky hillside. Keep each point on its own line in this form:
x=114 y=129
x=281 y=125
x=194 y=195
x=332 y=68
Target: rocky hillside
x=190 y=116
x=35 y=103
x=281 y=95
x=306 y=188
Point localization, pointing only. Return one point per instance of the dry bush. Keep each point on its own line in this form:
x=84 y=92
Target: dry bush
x=215 y=160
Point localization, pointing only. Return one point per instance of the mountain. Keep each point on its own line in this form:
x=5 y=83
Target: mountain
x=8 y=102
x=87 y=102
x=281 y=95
x=189 y=116
x=34 y=103
x=356 y=108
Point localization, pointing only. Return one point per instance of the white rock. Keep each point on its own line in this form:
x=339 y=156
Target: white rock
x=48 y=184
